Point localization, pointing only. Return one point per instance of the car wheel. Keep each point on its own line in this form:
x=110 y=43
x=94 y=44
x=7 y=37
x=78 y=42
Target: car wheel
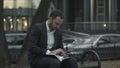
x=90 y=59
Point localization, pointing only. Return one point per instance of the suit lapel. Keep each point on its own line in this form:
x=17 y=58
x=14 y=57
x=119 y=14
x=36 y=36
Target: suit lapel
x=44 y=34
x=55 y=37
x=55 y=40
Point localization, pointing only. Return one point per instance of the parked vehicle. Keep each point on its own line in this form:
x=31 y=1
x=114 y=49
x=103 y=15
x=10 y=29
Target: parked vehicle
x=14 y=43
x=70 y=36
x=15 y=40
x=106 y=45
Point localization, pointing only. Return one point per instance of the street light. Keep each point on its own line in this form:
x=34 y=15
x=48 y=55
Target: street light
x=104 y=25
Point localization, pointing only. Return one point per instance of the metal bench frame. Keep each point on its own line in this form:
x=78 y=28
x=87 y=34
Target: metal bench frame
x=95 y=54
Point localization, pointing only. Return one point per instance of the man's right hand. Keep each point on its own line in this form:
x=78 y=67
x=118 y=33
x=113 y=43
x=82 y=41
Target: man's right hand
x=58 y=51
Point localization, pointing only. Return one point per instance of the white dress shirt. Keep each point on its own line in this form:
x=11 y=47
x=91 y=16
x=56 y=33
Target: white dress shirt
x=50 y=42
x=50 y=38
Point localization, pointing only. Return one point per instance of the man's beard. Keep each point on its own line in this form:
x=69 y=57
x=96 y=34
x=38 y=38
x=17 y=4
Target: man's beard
x=51 y=27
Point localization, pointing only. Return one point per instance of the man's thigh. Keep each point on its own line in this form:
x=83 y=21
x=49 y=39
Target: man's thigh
x=47 y=62
x=69 y=63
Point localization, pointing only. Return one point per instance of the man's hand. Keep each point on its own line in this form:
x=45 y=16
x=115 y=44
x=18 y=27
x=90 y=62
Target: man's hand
x=59 y=52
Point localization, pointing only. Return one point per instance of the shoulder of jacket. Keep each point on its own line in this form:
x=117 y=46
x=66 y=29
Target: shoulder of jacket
x=39 y=24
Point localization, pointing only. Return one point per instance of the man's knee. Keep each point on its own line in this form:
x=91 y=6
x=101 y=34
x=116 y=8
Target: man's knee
x=55 y=63
x=71 y=60
x=69 y=63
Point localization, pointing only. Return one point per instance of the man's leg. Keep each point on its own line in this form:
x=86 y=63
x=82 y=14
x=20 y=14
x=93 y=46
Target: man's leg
x=69 y=63
x=48 y=62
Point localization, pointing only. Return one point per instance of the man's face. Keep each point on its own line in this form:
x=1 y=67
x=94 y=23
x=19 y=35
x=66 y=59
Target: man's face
x=56 y=23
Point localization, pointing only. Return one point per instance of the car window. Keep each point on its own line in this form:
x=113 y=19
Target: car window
x=115 y=39
x=105 y=40
x=20 y=40
x=15 y=39
x=10 y=40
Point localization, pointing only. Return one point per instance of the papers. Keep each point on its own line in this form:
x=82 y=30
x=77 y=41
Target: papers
x=61 y=58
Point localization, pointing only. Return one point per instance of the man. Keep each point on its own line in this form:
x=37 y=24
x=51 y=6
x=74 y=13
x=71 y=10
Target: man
x=45 y=41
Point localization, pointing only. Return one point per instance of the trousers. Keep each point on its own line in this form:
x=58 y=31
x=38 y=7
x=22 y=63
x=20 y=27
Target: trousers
x=52 y=62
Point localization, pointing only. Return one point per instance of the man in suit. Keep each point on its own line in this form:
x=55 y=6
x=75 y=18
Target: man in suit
x=45 y=40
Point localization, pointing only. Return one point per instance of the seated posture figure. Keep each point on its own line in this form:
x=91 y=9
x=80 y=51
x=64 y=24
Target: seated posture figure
x=46 y=47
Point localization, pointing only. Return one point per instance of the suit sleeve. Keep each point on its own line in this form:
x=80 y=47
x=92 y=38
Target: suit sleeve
x=33 y=41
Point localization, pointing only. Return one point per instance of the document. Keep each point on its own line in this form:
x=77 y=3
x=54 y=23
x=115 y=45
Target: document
x=61 y=58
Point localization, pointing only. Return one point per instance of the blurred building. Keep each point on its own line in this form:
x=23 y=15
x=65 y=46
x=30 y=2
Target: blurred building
x=91 y=16
x=18 y=15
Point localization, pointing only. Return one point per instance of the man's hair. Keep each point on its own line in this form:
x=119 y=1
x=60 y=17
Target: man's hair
x=56 y=13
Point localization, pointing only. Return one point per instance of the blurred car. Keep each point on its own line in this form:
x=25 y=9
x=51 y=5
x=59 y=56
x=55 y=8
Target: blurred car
x=70 y=36
x=106 y=45
x=15 y=40
x=14 y=43
x=73 y=34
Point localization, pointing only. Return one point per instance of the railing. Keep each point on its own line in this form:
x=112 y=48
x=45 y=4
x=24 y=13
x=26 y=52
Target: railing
x=20 y=11
x=94 y=27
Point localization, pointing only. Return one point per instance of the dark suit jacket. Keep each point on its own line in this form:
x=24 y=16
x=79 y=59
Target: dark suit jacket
x=38 y=41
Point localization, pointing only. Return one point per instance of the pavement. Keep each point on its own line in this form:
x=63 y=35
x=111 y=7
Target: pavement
x=104 y=64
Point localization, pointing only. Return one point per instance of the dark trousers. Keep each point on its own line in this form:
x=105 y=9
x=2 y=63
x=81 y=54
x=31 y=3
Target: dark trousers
x=52 y=62
x=69 y=63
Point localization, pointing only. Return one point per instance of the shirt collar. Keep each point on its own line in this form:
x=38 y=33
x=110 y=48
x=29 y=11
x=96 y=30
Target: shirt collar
x=48 y=29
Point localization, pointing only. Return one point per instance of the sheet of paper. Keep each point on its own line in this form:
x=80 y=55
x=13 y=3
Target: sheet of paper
x=61 y=58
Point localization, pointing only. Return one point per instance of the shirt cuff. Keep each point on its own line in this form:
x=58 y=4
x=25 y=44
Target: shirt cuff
x=47 y=52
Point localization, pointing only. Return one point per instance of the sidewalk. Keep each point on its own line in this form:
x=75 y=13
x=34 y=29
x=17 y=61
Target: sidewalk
x=111 y=64
x=107 y=64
